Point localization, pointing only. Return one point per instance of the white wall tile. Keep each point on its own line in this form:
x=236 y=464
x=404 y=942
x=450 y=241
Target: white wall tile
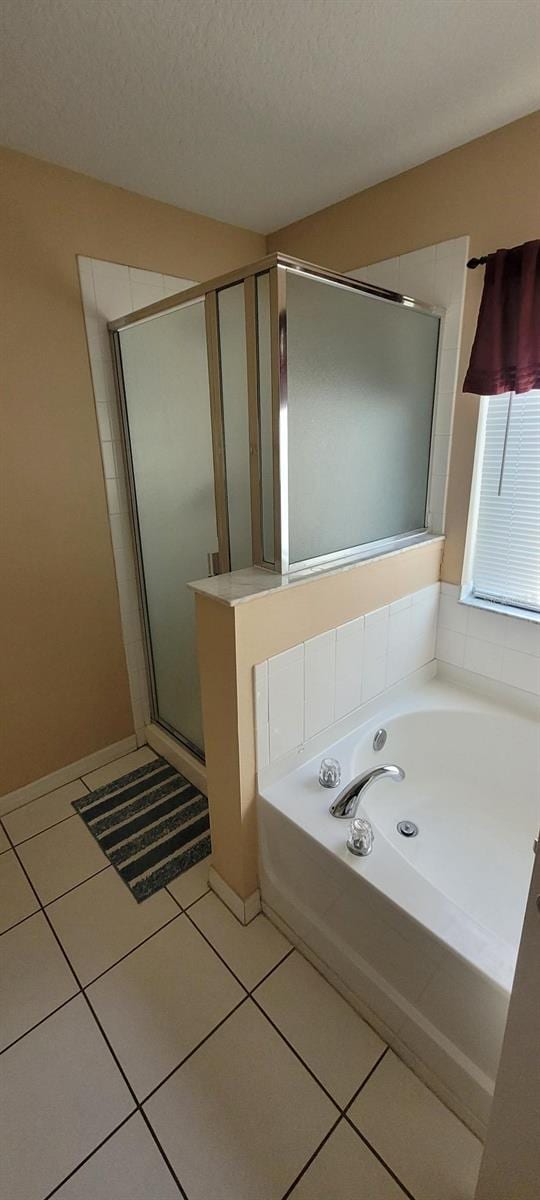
x=489 y=626
x=375 y=635
x=441 y=451
x=399 y=662
x=399 y=628
x=522 y=635
x=483 y=657
x=113 y=297
x=261 y=715
x=319 y=691
x=445 y=412
x=373 y=678
x=286 y=701
x=521 y=670
x=450 y=647
x=453 y=615
x=146 y=278
x=172 y=284
x=349 y=667
x=142 y=294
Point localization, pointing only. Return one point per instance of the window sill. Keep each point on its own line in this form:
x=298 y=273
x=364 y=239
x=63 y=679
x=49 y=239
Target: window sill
x=505 y=610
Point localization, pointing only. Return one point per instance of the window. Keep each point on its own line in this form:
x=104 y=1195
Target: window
x=505 y=515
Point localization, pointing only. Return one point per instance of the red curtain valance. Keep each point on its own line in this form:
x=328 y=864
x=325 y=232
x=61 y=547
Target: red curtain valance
x=506 y=352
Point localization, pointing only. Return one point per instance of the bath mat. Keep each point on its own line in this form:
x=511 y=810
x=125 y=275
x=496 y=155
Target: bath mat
x=152 y=824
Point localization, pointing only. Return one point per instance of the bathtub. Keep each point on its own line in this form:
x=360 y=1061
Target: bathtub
x=421 y=935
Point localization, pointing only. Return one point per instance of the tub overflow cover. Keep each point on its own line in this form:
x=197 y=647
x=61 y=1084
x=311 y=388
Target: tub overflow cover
x=407 y=828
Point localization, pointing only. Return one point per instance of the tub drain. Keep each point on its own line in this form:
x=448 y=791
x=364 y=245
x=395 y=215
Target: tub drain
x=407 y=828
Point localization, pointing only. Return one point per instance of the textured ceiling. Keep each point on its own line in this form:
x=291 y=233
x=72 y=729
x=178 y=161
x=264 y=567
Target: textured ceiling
x=258 y=112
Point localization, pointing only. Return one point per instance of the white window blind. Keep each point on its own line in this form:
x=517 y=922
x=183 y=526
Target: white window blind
x=506 y=559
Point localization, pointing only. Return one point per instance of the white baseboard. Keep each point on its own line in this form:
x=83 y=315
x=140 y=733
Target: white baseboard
x=48 y=783
x=243 y=910
x=177 y=755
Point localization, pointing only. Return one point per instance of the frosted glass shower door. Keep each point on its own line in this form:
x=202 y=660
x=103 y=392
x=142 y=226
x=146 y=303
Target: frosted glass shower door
x=169 y=437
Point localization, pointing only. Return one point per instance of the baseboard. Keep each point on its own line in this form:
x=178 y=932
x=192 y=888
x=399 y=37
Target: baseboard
x=177 y=755
x=243 y=910
x=48 y=783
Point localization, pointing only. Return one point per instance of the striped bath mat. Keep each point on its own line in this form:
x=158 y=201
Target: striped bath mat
x=152 y=824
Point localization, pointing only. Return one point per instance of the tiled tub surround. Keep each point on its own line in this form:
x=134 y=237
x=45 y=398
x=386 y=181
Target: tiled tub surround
x=110 y=290
x=435 y=275
x=313 y=686
x=491 y=644
x=422 y=935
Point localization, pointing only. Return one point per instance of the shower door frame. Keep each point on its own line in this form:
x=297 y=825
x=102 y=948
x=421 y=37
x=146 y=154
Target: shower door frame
x=276 y=266
x=218 y=458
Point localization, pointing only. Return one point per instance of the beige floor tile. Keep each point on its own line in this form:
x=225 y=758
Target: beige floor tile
x=40 y=814
x=100 y=921
x=61 y=857
x=17 y=899
x=120 y=766
x=192 y=884
x=4 y=844
x=426 y=1146
x=331 y=1038
x=250 y=950
x=128 y=1167
x=61 y=1093
x=345 y=1169
x=34 y=978
x=240 y=1118
x=161 y=1001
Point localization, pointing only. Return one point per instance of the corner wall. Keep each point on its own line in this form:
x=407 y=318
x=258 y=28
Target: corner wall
x=64 y=681
x=487 y=189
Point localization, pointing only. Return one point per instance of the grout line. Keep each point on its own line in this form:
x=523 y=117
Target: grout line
x=366 y=1080
x=87 y=1158
x=184 y=1060
x=22 y=920
x=47 y=828
x=297 y=1055
x=248 y=995
x=99 y=1025
x=19 y=807
x=272 y=969
x=311 y=1159
x=379 y=1158
x=48 y=903
x=40 y=1022
x=216 y=952
x=132 y=951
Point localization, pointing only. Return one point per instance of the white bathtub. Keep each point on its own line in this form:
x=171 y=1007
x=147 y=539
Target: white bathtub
x=422 y=935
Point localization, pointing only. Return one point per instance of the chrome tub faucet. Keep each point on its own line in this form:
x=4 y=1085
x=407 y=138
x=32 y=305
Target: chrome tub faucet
x=346 y=804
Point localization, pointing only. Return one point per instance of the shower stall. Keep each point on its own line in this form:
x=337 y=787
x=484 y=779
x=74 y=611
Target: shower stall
x=281 y=417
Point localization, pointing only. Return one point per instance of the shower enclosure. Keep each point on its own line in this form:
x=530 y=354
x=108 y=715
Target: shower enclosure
x=280 y=416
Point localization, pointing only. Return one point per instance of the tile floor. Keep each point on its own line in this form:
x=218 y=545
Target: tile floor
x=162 y=1050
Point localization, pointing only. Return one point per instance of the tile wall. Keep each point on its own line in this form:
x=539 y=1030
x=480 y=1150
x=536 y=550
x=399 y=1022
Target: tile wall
x=310 y=687
x=494 y=645
x=306 y=689
x=110 y=290
x=436 y=275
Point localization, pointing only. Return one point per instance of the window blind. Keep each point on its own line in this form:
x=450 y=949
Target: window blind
x=506 y=564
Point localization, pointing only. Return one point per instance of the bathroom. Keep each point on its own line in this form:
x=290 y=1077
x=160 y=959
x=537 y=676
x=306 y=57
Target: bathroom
x=271 y=547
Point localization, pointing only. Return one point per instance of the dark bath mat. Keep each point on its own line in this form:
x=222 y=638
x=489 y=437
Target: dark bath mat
x=152 y=824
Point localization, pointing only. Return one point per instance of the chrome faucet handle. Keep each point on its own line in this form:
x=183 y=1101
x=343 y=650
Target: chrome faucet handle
x=360 y=837
x=330 y=773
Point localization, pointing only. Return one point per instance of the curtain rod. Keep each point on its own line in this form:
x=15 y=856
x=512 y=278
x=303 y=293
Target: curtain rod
x=473 y=263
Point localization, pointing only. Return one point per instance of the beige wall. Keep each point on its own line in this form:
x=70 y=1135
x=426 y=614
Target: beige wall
x=488 y=189
x=64 y=682
x=232 y=640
